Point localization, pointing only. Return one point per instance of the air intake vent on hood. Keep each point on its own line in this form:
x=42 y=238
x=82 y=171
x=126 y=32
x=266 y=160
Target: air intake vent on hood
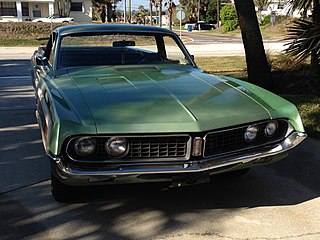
x=136 y=68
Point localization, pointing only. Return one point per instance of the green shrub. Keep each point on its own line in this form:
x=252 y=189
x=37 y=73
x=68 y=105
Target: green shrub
x=263 y=20
x=266 y=19
x=26 y=33
x=230 y=25
x=229 y=18
x=28 y=30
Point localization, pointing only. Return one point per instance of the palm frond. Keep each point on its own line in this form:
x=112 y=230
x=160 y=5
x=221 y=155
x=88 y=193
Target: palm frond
x=305 y=39
x=299 y=5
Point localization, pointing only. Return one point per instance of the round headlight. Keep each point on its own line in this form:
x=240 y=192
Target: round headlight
x=85 y=146
x=117 y=146
x=251 y=133
x=271 y=128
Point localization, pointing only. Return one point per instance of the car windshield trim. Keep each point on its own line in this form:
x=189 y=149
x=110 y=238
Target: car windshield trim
x=155 y=34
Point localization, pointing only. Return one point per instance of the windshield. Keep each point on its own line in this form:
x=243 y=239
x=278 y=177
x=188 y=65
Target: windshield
x=120 y=49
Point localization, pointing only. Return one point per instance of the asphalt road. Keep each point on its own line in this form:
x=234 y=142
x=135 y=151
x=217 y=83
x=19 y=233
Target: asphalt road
x=206 y=37
x=199 y=44
x=279 y=201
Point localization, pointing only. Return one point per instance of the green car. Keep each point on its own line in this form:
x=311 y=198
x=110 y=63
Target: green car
x=120 y=104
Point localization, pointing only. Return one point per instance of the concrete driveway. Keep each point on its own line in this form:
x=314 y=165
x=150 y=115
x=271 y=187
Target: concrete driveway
x=279 y=201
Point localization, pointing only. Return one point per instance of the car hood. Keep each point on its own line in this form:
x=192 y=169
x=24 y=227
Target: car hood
x=141 y=99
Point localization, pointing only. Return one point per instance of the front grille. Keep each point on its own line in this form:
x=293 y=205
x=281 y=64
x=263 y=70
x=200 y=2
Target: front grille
x=232 y=140
x=143 y=148
x=157 y=148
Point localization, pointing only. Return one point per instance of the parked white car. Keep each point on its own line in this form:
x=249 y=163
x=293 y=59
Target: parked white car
x=54 y=18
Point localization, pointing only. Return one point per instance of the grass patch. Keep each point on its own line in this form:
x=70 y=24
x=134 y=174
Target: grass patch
x=233 y=66
x=278 y=30
x=309 y=109
x=25 y=33
x=222 y=64
x=21 y=42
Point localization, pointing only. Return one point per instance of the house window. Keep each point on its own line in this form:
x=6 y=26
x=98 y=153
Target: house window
x=76 y=6
x=8 y=9
x=25 y=8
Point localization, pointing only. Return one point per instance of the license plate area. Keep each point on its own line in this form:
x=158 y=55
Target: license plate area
x=187 y=179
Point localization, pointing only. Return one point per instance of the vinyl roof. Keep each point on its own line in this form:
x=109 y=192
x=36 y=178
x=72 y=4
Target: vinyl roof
x=78 y=28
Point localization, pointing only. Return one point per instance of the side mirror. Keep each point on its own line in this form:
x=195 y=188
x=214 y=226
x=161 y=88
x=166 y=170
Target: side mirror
x=40 y=60
x=192 y=57
x=42 y=50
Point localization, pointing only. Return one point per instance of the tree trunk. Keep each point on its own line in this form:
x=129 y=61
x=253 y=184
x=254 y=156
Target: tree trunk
x=160 y=13
x=257 y=64
x=64 y=8
x=151 y=20
x=109 y=11
x=170 y=14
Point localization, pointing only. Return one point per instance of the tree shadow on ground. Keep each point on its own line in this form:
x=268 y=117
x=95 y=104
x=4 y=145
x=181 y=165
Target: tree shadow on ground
x=145 y=211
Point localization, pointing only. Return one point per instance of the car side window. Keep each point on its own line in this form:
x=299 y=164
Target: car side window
x=49 y=50
x=173 y=52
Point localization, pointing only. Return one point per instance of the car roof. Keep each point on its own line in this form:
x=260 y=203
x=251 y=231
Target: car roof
x=78 y=28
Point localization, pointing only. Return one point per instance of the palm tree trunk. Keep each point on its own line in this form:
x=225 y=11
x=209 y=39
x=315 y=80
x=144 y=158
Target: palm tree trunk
x=170 y=14
x=257 y=64
x=160 y=13
x=109 y=12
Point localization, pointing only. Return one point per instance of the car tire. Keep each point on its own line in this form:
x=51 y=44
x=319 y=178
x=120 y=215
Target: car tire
x=62 y=192
x=39 y=21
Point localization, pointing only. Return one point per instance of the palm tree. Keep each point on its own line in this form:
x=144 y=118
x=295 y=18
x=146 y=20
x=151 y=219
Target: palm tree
x=257 y=64
x=64 y=7
x=305 y=34
x=158 y=5
x=191 y=9
x=261 y=4
x=160 y=13
x=142 y=13
x=151 y=20
x=170 y=6
x=109 y=4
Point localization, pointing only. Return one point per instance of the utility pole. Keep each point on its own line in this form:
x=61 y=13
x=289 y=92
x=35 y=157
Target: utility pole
x=199 y=4
x=125 y=11
x=218 y=13
x=129 y=11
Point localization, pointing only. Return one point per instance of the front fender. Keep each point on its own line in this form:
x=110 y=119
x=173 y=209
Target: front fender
x=277 y=106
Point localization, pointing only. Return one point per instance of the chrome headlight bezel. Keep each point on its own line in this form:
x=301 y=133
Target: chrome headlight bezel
x=117 y=147
x=251 y=133
x=271 y=128
x=85 y=146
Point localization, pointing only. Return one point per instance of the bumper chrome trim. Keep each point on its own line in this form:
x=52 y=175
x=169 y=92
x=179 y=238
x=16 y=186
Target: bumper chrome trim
x=261 y=155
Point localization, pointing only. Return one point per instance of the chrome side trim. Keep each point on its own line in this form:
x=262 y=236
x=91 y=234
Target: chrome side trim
x=290 y=142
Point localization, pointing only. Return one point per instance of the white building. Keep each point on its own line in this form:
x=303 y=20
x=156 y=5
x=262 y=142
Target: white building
x=280 y=7
x=27 y=10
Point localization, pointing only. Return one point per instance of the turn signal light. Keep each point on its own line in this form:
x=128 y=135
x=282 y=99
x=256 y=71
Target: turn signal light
x=197 y=146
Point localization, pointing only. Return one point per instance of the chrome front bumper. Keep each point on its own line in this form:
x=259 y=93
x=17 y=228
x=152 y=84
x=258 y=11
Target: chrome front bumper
x=224 y=163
